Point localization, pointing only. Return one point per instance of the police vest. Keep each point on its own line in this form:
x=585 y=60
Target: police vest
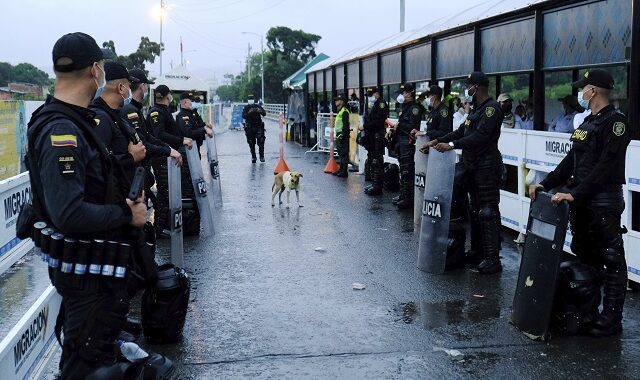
x=338 y=124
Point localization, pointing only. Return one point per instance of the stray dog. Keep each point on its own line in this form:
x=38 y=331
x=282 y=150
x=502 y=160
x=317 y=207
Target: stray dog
x=286 y=181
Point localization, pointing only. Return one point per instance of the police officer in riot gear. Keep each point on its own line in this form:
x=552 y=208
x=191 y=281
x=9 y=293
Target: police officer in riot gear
x=403 y=138
x=164 y=127
x=439 y=121
x=482 y=170
x=374 y=127
x=119 y=136
x=254 y=128
x=188 y=122
x=590 y=178
x=341 y=130
x=67 y=155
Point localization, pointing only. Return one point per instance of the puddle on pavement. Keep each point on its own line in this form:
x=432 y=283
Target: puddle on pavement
x=433 y=315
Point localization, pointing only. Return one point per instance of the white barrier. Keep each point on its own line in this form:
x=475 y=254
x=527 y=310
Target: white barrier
x=14 y=192
x=274 y=110
x=29 y=346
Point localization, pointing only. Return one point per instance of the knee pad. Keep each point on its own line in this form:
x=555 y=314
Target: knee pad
x=487 y=213
x=261 y=139
x=614 y=259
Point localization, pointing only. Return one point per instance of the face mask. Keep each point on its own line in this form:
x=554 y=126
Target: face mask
x=101 y=87
x=251 y=102
x=455 y=108
x=468 y=94
x=429 y=102
x=400 y=99
x=372 y=99
x=196 y=105
x=584 y=103
x=127 y=100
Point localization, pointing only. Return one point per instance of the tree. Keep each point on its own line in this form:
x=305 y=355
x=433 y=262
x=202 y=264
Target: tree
x=293 y=45
x=147 y=52
x=22 y=72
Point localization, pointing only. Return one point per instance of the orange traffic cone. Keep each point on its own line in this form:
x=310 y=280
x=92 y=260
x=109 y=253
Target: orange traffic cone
x=332 y=165
x=282 y=165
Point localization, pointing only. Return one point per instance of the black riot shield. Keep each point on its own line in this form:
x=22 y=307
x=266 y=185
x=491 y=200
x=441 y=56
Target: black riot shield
x=543 y=247
x=436 y=212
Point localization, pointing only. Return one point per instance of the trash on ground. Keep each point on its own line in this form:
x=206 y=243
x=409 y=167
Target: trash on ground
x=358 y=286
x=450 y=351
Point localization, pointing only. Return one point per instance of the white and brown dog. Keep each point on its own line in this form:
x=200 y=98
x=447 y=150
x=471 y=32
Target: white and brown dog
x=286 y=181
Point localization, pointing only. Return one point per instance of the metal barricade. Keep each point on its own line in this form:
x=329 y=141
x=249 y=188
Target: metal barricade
x=322 y=133
x=175 y=208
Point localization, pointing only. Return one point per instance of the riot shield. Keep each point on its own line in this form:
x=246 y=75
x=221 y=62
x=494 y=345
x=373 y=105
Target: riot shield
x=436 y=211
x=421 y=174
x=175 y=213
x=201 y=191
x=214 y=171
x=539 y=267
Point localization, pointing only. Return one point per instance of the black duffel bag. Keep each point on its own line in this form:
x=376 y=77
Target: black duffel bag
x=164 y=306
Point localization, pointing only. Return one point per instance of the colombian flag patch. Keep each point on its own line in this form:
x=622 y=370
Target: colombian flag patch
x=64 y=140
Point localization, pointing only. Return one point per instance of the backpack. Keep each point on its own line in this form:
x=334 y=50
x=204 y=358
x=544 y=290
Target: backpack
x=164 y=306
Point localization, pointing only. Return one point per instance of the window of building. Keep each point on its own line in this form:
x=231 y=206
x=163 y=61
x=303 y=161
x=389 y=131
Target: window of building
x=557 y=85
x=390 y=95
x=516 y=86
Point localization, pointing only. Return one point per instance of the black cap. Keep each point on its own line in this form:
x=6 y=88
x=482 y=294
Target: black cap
x=249 y=96
x=81 y=51
x=162 y=91
x=140 y=75
x=407 y=87
x=478 y=78
x=373 y=90
x=596 y=77
x=340 y=97
x=115 y=70
x=434 y=90
x=186 y=95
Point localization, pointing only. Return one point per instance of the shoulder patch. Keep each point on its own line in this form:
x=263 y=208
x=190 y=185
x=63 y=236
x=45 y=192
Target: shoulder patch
x=97 y=121
x=185 y=118
x=619 y=128
x=415 y=111
x=444 y=112
x=154 y=113
x=67 y=166
x=382 y=105
x=64 y=140
x=489 y=111
x=132 y=115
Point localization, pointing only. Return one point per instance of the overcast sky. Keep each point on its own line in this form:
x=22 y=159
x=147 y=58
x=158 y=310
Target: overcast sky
x=210 y=29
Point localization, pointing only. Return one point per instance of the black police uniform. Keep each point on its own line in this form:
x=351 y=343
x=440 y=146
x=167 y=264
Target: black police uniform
x=156 y=148
x=439 y=122
x=482 y=170
x=374 y=126
x=408 y=120
x=67 y=156
x=190 y=126
x=254 y=129
x=116 y=134
x=593 y=172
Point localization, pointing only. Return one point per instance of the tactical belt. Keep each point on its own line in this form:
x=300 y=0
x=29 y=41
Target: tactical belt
x=68 y=257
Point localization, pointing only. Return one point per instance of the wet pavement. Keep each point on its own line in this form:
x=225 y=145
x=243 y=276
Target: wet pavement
x=266 y=303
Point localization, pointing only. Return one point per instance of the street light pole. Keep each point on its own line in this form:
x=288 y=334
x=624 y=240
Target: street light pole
x=261 y=61
x=161 y=17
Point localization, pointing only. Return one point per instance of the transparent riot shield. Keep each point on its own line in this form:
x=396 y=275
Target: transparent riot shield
x=214 y=171
x=421 y=175
x=436 y=211
x=539 y=267
x=175 y=213
x=201 y=192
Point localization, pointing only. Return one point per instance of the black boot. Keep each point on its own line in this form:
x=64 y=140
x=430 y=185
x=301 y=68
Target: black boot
x=609 y=322
x=373 y=191
x=489 y=222
x=397 y=199
x=367 y=170
x=490 y=266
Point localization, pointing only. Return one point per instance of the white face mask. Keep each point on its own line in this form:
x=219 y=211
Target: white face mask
x=372 y=99
x=429 y=102
x=251 y=101
x=400 y=99
x=196 y=105
x=584 y=103
x=101 y=87
x=127 y=100
x=468 y=94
